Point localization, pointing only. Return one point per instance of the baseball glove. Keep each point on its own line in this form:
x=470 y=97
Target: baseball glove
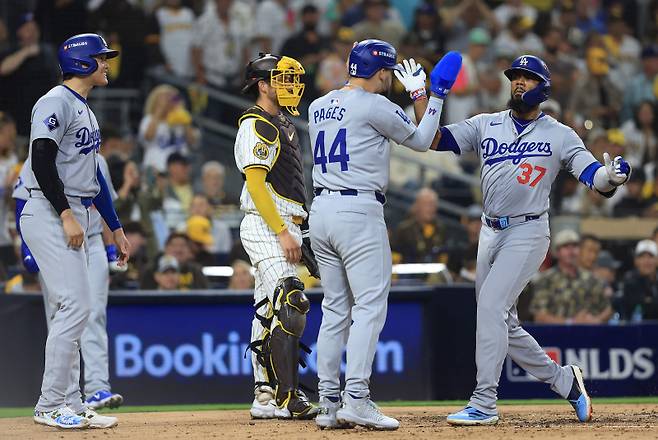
x=308 y=257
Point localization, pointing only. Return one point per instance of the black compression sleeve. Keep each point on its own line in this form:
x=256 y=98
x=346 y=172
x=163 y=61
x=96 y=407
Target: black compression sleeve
x=44 y=153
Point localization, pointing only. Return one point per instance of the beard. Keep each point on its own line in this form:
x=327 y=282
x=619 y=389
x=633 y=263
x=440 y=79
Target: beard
x=517 y=105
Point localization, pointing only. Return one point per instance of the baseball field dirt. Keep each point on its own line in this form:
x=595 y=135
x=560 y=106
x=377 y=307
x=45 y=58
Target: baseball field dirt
x=623 y=421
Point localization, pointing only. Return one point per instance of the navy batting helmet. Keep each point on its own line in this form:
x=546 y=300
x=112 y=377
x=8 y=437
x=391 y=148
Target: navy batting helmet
x=537 y=68
x=368 y=56
x=76 y=54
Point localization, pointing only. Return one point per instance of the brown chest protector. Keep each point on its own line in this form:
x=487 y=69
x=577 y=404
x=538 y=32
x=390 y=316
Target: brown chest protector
x=287 y=173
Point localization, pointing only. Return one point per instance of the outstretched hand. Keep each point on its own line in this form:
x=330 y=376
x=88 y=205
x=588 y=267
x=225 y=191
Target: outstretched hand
x=618 y=169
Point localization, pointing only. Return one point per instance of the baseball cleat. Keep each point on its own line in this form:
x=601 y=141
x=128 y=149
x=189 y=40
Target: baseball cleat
x=578 y=397
x=60 y=418
x=364 y=412
x=104 y=398
x=263 y=406
x=326 y=418
x=470 y=416
x=296 y=406
x=98 y=421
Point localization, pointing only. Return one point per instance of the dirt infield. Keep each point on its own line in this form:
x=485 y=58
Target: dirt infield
x=518 y=422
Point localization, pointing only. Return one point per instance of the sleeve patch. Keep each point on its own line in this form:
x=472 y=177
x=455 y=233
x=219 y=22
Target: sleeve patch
x=51 y=122
x=261 y=151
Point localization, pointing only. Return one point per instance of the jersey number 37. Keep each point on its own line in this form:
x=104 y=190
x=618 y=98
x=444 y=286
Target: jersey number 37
x=337 y=152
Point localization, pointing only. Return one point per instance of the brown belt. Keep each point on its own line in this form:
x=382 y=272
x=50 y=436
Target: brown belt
x=297 y=219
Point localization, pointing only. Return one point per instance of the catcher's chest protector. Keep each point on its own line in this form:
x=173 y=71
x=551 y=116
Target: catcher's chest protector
x=287 y=173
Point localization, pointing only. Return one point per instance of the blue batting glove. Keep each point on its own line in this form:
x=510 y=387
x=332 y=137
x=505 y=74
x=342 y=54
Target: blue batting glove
x=445 y=73
x=29 y=263
x=112 y=253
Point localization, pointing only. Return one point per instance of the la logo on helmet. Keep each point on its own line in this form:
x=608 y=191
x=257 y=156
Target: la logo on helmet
x=523 y=62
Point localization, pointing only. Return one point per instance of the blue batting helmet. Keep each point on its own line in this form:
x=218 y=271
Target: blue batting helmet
x=535 y=66
x=76 y=55
x=368 y=56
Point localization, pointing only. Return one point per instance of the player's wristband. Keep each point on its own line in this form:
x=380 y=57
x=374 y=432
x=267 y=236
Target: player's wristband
x=418 y=94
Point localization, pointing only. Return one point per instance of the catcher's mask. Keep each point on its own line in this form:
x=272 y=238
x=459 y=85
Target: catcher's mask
x=284 y=74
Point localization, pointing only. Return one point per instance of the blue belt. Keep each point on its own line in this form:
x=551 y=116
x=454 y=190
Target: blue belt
x=501 y=223
x=381 y=198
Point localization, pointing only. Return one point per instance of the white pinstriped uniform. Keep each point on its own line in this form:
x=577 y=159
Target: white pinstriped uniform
x=258 y=239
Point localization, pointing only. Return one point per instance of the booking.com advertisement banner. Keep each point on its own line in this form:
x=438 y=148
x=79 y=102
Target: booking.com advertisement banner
x=195 y=353
x=616 y=360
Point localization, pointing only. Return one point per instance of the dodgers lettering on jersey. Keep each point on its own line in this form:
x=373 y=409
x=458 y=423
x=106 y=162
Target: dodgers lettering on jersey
x=350 y=131
x=517 y=171
x=64 y=116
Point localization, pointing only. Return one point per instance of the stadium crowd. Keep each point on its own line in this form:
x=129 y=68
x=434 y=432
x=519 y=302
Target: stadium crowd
x=180 y=216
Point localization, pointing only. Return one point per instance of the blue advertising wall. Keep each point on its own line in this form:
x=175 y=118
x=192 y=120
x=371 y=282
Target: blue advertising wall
x=197 y=352
x=191 y=349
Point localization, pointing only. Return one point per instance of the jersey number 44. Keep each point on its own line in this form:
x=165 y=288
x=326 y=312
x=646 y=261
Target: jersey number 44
x=337 y=151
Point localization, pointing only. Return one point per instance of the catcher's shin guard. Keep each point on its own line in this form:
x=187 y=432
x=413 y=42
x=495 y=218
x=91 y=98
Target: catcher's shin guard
x=291 y=307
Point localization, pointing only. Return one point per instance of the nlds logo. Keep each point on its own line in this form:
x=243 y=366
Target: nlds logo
x=612 y=364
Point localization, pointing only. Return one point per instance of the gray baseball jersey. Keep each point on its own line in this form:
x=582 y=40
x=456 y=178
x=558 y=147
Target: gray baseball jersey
x=517 y=170
x=519 y=162
x=350 y=132
x=64 y=116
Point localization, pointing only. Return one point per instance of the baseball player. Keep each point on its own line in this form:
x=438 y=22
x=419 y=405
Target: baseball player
x=350 y=130
x=102 y=260
x=63 y=179
x=521 y=151
x=268 y=155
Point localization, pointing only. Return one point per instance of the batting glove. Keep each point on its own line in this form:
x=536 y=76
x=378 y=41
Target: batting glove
x=113 y=259
x=445 y=73
x=29 y=263
x=618 y=169
x=412 y=76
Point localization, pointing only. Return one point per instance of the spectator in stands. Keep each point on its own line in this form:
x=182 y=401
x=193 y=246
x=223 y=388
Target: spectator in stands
x=518 y=37
x=308 y=47
x=275 y=22
x=590 y=246
x=641 y=133
x=605 y=269
x=558 y=55
x=213 y=174
x=199 y=231
x=191 y=275
x=138 y=258
x=514 y=8
x=425 y=40
x=165 y=128
x=242 y=279
x=135 y=203
x=552 y=108
x=28 y=69
x=218 y=241
x=639 y=286
x=419 y=239
x=458 y=20
x=566 y=294
x=623 y=49
x=332 y=71
x=643 y=86
x=494 y=92
x=377 y=25
x=652 y=201
x=633 y=203
x=178 y=193
x=176 y=24
x=8 y=175
x=60 y=19
x=219 y=46
x=596 y=98
x=24 y=282
x=127 y=29
x=167 y=275
x=464 y=93
x=464 y=246
x=114 y=144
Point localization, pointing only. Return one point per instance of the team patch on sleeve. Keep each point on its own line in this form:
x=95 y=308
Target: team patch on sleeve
x=51 y=122
x=261 y=150
x=404 y=117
